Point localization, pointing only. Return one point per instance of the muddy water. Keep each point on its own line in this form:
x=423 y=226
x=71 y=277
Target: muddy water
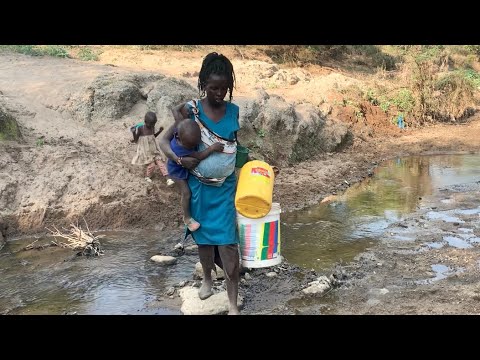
x=125 y=281
x=56 y=281
x=336 y=232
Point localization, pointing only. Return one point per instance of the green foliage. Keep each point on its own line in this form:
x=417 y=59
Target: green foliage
x=456 y=94
x=8 y=127
x=55 y=51
x=454 y=78
x=424 y=53
x=371 y=97
x=474 y=49
x=272 y=85
x=359 y=114
x=385 y=105
x=170 y=47
x=40 y=141
x=22 y=49
x=404 y=100
x=37 y=50
x=87 y=54
x=472 y=76
x=150 y=47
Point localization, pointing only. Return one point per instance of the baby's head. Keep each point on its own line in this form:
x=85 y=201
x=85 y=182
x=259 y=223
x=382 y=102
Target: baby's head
x=150 y=119
x=189 y=133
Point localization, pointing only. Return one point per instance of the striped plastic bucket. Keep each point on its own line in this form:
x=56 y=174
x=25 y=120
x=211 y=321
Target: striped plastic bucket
x=260 y=239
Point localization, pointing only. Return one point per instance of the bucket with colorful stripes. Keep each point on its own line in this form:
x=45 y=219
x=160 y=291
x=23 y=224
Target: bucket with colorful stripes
x=260 y=239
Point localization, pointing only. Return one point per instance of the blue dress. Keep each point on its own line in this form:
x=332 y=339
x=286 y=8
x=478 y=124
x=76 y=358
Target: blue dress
x=214 y=207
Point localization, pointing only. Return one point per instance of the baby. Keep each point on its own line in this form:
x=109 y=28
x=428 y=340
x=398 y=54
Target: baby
x=185 y=142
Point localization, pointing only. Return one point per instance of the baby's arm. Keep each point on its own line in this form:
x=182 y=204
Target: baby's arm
x=200 y=155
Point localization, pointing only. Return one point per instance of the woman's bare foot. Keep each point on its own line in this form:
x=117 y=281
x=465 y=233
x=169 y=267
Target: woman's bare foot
x=205 y=291
x=234 y=311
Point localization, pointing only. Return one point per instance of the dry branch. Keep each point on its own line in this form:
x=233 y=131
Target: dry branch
x=78 y=239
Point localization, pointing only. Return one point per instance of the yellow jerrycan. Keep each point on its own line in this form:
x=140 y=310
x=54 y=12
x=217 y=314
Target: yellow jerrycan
x=253 y=198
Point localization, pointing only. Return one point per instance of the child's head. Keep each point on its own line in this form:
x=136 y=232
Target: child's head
x=216 y=77
x=150 y=119
x=188 y=133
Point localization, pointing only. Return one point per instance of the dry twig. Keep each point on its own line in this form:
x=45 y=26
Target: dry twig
x=78 y=239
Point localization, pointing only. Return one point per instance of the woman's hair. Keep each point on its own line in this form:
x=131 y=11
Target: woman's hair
x=216 y=64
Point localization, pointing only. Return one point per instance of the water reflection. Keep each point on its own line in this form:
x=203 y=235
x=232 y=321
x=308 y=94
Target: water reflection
x=50 y=281
x=328 y=233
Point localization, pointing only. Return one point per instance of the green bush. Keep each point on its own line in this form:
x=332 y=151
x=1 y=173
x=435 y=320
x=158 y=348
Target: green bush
x=22 y=49
x=55 y=51
x=474 y=49
x=36 y=50
x=8 y=127
x=404 y=100
x=86 y=54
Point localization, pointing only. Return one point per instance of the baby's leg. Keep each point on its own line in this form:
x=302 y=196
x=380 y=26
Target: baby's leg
x=185 y=192
x=191 y=223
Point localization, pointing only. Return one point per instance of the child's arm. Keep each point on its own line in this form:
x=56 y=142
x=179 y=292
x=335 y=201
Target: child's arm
x=200 y=155
x=159 y=131
x=136 y=134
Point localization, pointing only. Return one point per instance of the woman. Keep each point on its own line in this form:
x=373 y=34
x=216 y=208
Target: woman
x=213 y=182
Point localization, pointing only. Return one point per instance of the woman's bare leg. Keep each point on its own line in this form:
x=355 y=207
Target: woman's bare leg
x=230 y=263
x=206 y=254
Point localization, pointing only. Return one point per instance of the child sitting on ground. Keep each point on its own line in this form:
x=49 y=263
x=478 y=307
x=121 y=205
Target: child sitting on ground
x=185 y=143
x=148 y=152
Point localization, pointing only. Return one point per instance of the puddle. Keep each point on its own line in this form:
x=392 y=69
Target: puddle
x=434 y=215
x=435 y=245
x=441 y=272
x=457 y=242
x=467 y=211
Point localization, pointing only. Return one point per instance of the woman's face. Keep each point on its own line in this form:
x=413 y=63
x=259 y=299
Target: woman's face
x=216 y=89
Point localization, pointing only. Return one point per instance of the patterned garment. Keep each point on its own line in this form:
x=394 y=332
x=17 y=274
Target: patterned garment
x=214 y=169
x=147 y=150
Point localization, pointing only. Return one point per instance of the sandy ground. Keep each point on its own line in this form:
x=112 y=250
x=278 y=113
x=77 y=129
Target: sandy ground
x=45 y=181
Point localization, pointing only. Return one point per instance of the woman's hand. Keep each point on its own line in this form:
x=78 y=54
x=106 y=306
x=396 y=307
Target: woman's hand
x=189 y=162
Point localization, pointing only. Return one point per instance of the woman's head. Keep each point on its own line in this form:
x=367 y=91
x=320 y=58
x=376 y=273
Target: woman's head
x=150 y=119
x=216 y=77
x=188 y=133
